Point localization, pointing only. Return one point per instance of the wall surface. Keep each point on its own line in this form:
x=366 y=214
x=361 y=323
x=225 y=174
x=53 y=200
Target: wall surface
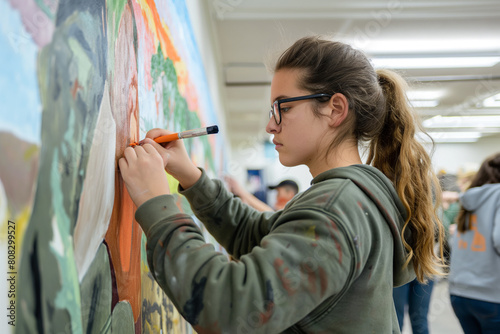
x=80 y=81
x=464 y=157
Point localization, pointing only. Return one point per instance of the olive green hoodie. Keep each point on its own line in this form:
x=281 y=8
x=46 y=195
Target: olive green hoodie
x=326 y=263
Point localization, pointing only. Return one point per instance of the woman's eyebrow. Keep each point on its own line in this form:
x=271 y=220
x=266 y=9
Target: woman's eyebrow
x=281 y=97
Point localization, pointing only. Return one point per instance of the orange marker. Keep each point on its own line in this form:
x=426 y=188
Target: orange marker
x=184 y=134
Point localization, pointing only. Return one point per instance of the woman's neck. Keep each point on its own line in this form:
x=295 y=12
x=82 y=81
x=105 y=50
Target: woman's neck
x=346 y=154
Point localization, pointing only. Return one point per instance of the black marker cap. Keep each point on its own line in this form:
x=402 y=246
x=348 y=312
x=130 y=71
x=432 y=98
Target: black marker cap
x=212 y=129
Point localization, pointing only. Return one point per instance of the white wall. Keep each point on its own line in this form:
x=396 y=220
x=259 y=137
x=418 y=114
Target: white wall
x=206 y=39
x=464 y=156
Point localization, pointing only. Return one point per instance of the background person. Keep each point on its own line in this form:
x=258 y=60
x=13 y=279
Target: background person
x=245 y=196
x=475 y=257
x=285 y=191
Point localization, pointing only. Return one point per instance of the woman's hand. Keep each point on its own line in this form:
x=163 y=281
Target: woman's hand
x=143 y=172
x=175 y=158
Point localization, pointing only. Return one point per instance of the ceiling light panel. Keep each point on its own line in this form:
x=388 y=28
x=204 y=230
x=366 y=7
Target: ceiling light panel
x=462 y=122
x=493 y=101
x=435 y=62
x=419 y=46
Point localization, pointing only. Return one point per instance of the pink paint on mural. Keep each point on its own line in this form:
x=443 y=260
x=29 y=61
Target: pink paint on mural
x=35 y=20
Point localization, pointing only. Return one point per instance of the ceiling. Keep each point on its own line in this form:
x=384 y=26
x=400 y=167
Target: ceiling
x=250 y=34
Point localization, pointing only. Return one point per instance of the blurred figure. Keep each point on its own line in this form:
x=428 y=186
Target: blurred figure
x=475 y=257
x=449 y=210
x=414 y=297
x=465 y=179
x=245 y=196
x=286 y=190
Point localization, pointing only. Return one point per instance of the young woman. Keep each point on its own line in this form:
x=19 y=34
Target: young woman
x=475 y=256
x=328 y=261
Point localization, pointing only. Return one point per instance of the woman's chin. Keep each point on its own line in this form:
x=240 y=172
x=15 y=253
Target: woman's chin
x=286 y=162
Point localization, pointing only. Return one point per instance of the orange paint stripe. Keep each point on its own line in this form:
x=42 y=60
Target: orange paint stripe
x=165 y=41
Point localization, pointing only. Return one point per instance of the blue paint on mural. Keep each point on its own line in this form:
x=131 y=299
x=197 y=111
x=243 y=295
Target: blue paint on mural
x=20 y=111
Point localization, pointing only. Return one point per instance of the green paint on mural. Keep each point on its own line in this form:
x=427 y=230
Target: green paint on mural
x=46 y=9
x=114 y=8
x=49 y=290
x=61 y=245
x=175 y=106
x=96 y=293
x=68 y=134
x=84 y=63
x=121 y=320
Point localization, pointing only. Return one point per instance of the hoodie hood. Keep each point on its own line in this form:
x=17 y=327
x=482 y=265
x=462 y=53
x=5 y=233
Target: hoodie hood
x=474 y=198
x=382 y=193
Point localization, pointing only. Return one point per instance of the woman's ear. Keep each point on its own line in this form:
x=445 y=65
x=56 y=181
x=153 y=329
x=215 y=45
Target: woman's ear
x=338 y=107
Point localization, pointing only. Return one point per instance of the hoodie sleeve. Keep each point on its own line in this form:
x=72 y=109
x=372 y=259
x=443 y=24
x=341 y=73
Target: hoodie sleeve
x=235 y=225
x=293 y=270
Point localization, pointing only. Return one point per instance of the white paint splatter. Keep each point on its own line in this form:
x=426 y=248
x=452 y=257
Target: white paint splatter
x=56 y=244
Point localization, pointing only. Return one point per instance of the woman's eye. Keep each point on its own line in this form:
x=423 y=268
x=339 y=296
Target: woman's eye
x=285 y=109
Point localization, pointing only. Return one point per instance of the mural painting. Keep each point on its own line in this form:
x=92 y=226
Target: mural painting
x=82 y=80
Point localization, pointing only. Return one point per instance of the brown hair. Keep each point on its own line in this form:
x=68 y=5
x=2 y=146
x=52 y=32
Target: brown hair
x=488 y=173
x=379 y=114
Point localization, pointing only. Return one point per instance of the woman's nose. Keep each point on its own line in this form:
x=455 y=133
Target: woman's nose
x=271 y=126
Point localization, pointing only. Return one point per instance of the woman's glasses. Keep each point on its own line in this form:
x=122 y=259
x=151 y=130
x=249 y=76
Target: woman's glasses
x=276 y=108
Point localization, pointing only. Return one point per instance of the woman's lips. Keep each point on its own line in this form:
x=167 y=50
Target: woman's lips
x=278 y=145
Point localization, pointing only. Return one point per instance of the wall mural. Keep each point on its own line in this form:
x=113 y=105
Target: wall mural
x=80 y=80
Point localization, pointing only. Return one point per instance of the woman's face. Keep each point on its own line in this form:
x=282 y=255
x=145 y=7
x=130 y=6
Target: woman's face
x=301 y=137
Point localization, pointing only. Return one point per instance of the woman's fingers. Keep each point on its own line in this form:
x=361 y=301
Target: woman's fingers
x=130 y=153
x=144 y=175
x=149 y=148
x=152 y=150
x=162 y=151
x=151 y=142
x=154 y=133
x=139 y=151
x=122 y=164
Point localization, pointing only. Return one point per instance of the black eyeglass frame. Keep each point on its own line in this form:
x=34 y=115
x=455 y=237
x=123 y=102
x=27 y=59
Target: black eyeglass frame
x=278 y=103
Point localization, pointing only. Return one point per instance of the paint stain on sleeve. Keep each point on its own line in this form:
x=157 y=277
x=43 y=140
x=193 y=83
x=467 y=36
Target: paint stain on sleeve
x=284 y=275
x=194 y=305
x=334 y=237
x=268 y=303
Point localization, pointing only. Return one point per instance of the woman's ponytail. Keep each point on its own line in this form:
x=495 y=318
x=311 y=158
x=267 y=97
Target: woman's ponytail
x=397 y=153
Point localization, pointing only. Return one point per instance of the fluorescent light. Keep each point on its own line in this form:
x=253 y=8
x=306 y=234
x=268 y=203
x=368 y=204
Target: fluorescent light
x=455 y=140
x=435 y=62
x=492 y=101
x=424 y=98
x=462 y=122
x=429 y=45
x=455 y=135
x=450 y=137
x=425 y=94
x=424 y=103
